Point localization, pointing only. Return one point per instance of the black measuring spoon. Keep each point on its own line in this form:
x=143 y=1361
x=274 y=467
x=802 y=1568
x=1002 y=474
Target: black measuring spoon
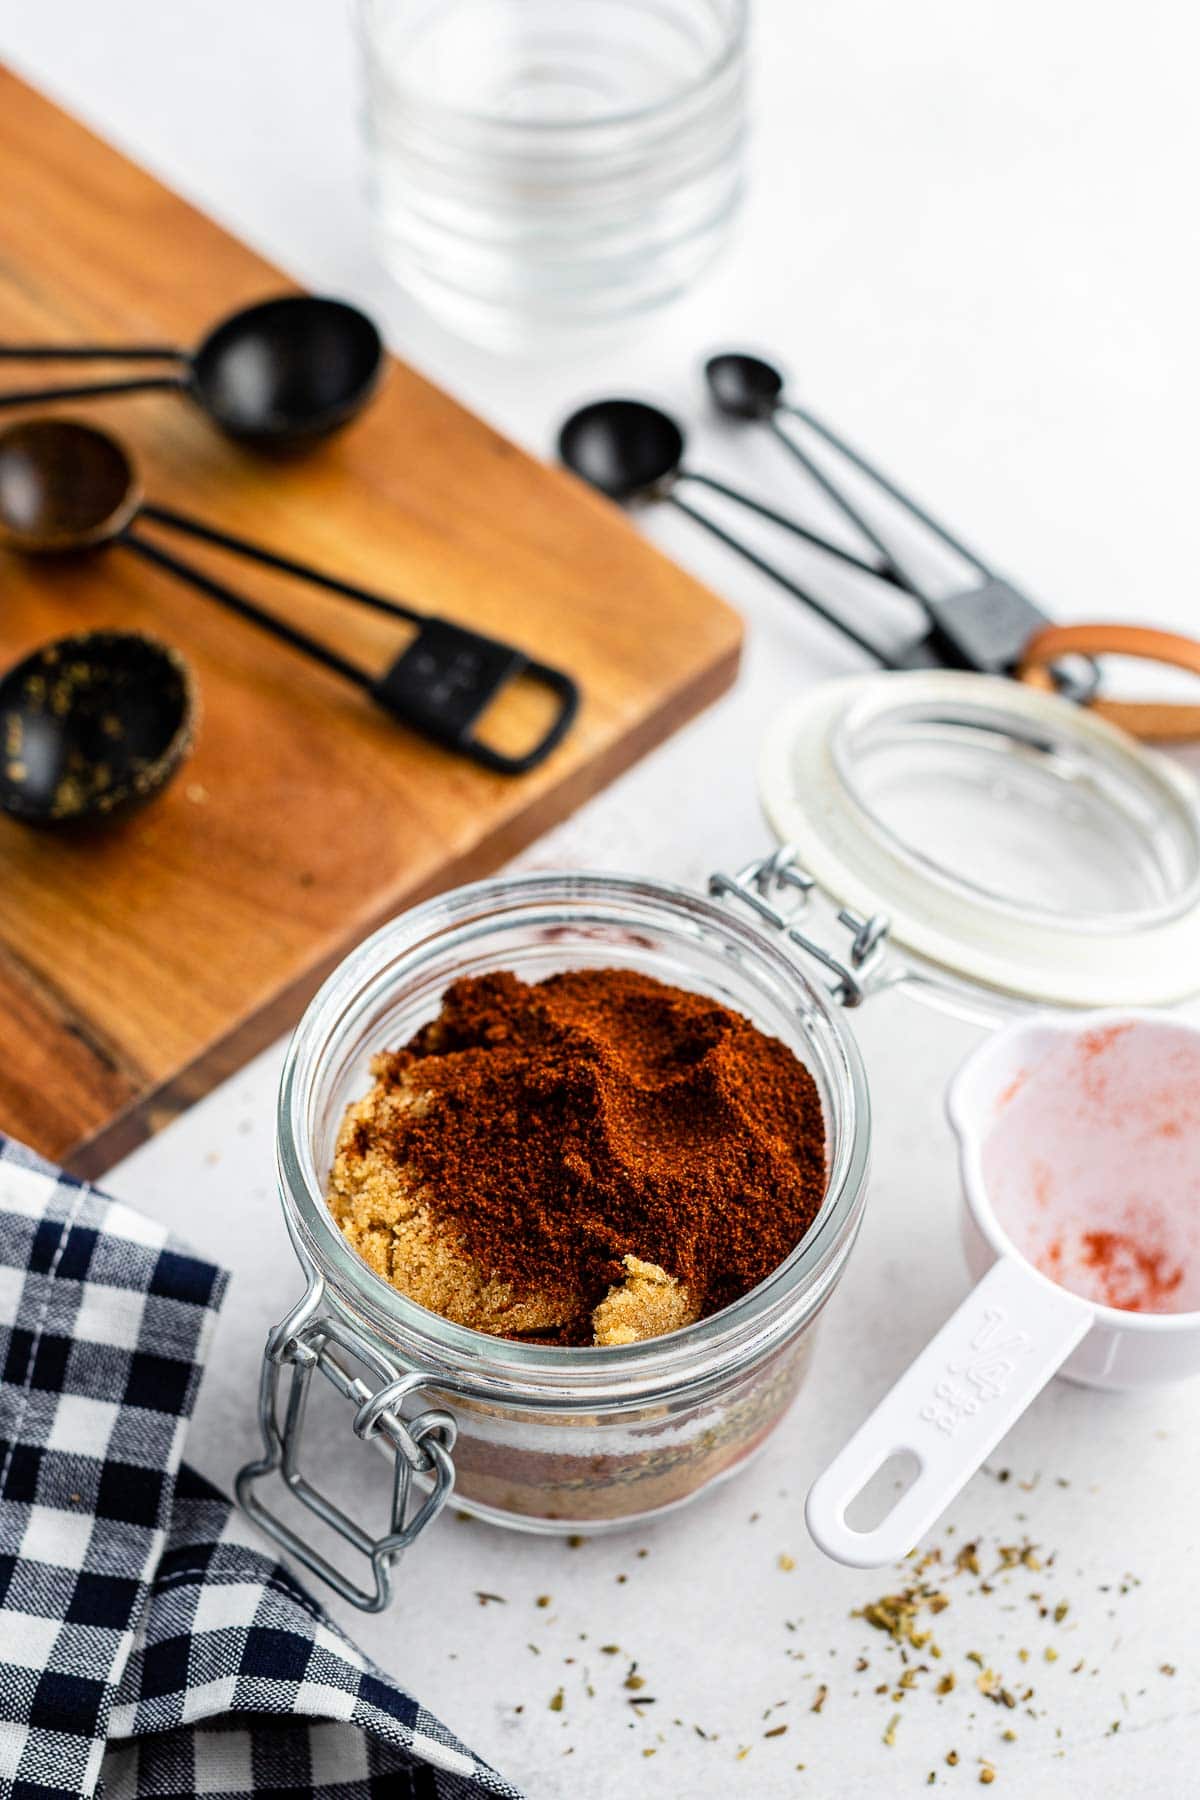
x=985 y=627
x=65 y=486
x=629 y=450
x=92 y=727
x=281 y=372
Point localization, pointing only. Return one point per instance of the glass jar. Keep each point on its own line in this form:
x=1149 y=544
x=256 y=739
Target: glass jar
x=541 y=1437
x=533 y=174
x=1029 y=854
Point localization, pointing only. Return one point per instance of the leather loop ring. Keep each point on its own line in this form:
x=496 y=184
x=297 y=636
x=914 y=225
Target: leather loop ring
x=1158 y=721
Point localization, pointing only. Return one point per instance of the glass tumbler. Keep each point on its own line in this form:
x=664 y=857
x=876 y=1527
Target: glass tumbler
x=539 y=167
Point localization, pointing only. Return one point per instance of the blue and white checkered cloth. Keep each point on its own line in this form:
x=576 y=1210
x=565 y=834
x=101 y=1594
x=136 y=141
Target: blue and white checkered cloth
x=147 y=1647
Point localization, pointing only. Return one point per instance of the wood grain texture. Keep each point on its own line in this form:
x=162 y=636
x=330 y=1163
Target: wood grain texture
x=138 y=968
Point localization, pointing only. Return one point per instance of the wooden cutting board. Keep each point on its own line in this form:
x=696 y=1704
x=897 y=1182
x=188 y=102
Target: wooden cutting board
x=139 y=968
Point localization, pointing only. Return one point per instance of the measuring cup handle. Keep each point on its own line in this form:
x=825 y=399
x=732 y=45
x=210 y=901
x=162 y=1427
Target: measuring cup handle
x=952 y=1406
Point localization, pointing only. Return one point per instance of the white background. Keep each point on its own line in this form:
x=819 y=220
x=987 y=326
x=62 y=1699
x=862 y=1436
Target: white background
x=972 y=236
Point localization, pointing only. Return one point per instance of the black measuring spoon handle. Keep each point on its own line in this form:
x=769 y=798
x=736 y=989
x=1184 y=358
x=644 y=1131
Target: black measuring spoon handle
x=784 y=581
x=245 y=609
x=92 y=353
x=892 y=566
x=885 y=484
x=88 y=390
x=769 y=513
x=440 y=685
x=283 y=565
x=446 y=680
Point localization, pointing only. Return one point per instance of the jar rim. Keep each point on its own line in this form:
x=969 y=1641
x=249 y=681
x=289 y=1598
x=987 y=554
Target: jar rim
x=731 y=48
x=549 y=1374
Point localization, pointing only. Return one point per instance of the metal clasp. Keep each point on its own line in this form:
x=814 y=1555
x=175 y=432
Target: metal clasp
x=761 y=885
x=309 y=1340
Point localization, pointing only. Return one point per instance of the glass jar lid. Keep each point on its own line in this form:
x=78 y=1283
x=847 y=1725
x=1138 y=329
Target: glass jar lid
x=1018 y=843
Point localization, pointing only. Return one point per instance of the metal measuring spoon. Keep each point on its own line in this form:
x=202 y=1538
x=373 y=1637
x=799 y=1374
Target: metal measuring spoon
x=629 y=450
x=92 y=727
x=281 y=372
x=747 y=387
x=65 y=486
x=984 y=627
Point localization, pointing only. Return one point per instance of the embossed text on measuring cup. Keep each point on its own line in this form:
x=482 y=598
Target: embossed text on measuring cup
x=983 y=1374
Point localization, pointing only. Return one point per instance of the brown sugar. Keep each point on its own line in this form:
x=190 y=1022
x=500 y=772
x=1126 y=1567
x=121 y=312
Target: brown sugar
x=595 y=1158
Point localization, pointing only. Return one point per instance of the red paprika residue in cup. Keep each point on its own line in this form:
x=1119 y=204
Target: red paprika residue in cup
x=1124 y=1273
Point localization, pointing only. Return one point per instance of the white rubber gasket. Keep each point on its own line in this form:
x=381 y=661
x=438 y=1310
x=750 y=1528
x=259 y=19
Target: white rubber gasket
x=988 y=942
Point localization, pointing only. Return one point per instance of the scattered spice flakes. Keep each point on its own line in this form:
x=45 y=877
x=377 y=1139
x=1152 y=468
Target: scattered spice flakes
x=575 y=1541
x=543 y=1600
x=787 y=1563
x=819 y=1698
x=635 y=1681
x=775 y=1731
x=486 y=1599
x=744 y=1752
x=1166 y=1668
x=897 y=1614
x=610 y=1649
x=889 y=1736
x=993 y=1689
x=1023 y=1555
x=556 y=1700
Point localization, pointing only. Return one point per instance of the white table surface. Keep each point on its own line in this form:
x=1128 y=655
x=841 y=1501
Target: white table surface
x=972 y=232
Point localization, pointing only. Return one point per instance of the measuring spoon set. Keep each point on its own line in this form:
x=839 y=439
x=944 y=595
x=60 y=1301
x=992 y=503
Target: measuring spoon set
x=631 y=450
x=277 y=375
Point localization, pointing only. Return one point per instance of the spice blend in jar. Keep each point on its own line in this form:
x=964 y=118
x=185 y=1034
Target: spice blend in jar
x=595 y=1158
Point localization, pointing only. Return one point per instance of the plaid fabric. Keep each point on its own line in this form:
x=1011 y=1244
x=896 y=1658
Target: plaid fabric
x=147 y=1647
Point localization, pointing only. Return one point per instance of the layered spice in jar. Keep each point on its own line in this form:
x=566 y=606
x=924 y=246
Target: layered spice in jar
x=592 y=1160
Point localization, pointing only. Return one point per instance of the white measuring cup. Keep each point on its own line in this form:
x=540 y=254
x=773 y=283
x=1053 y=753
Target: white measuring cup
x=1079 y=1143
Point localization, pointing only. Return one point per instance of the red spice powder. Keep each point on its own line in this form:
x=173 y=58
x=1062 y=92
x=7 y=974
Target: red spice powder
x=1131 y=1277
x=1124 y=1273
x=600 y=1113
